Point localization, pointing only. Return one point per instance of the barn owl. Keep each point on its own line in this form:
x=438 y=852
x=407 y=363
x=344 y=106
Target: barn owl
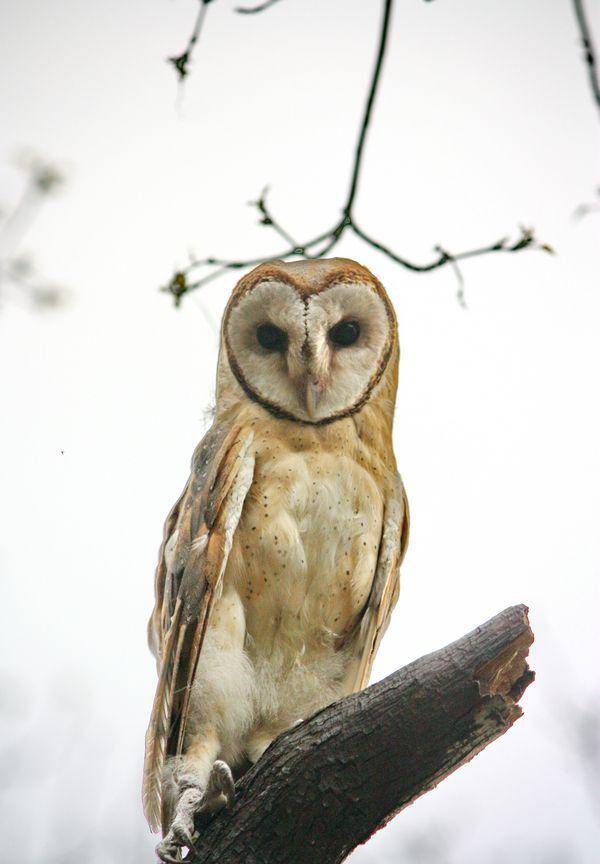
x=279 y=567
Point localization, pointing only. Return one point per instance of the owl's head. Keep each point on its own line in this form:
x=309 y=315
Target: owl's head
x=310 y=340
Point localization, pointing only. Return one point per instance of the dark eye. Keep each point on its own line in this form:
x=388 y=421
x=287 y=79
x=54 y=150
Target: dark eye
x=271 y=338
x=345 y=333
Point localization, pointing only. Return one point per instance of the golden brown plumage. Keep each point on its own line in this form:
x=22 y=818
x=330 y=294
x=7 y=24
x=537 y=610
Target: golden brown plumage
x=201 y=522
x=279 y=567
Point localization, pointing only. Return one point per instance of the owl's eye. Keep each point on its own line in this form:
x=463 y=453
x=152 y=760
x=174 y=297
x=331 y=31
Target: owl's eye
x=270 y=337
x=345 y=333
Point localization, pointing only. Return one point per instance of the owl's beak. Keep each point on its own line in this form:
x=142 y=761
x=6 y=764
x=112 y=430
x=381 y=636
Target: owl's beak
x=312 y=397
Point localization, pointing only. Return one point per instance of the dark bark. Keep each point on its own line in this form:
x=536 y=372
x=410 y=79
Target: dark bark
x=328 y=784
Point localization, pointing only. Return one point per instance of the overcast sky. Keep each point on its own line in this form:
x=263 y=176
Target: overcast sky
x=484 y=122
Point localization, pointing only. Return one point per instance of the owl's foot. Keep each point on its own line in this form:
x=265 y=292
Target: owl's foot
x=219 y=792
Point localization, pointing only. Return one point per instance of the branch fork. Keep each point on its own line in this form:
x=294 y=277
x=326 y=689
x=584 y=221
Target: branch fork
x=200 y=272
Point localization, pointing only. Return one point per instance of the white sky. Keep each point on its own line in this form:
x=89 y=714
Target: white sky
x=484 y=121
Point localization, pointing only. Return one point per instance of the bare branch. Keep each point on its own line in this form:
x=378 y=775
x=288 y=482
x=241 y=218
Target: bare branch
x=525 y=240
x=460 y=279
x=187 y=279
x=327 y=785
x=587 y=207
x=182 y=61
x=17 y=271
x=251 y=10
x=588 y=49
x=371 y=96
x=268 y=219
x=589 y=53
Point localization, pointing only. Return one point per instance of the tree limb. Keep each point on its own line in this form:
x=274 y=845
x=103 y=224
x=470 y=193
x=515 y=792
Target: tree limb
x=252 y=10
x=328 y=784
x=17 y=271
x=589 y=54
x=182 y=61
x=202 y=271
x=589 y=51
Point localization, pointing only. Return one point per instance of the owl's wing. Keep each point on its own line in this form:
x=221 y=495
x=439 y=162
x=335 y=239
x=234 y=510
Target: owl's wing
x=385 y=587
x=193 y=556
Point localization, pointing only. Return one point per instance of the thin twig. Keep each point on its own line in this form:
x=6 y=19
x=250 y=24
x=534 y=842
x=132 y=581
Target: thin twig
x=587 y=207
x=194 y=276
x=267 y=217
x=16 y=269
x=251 y=10
x=362 y=135
x=30 y=287
x=182 y=61
x=460 y=279
x=589 y=50
x=42 y=180
x=16 y=224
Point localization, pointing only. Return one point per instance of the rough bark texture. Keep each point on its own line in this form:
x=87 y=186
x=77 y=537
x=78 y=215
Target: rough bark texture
x=328 y=784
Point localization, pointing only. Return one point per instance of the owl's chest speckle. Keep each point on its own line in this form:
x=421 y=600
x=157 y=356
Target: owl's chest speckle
x=305 y=551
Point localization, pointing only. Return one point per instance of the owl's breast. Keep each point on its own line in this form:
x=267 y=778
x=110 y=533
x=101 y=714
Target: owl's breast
x=305 y=551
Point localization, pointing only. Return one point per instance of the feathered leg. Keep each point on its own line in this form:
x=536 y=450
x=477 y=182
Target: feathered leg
x=220 y=711
x=201 y=783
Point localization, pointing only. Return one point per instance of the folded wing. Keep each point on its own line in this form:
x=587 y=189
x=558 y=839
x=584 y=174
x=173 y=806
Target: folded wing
x=193 y=556
x=385 y=587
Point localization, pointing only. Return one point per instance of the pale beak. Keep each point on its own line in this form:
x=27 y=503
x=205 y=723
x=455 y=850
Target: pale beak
x=312 y=397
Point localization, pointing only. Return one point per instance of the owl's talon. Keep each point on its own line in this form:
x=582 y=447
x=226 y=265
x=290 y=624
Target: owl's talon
x=168 y=851
x=220 y=785
x=183 y=837
x=193 y=800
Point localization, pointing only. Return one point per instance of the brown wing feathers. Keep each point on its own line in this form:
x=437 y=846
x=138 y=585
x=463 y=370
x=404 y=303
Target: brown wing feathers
x=386 y=585
x=192 y=560
x=158 y=729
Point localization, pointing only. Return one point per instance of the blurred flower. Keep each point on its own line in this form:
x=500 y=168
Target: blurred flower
x=20 y=267
x=43 y=175
x=48 y=297
x=17 y=270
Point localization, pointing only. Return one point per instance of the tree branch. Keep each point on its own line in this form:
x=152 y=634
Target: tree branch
x=252 y=10
x=589 y=53
x=182 y=61
x=186 y=280
x=328 y=784
x=16 y=269
x=588 y=49
x=388 y=6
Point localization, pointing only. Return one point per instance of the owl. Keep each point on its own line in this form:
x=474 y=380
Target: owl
x=279 y=567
